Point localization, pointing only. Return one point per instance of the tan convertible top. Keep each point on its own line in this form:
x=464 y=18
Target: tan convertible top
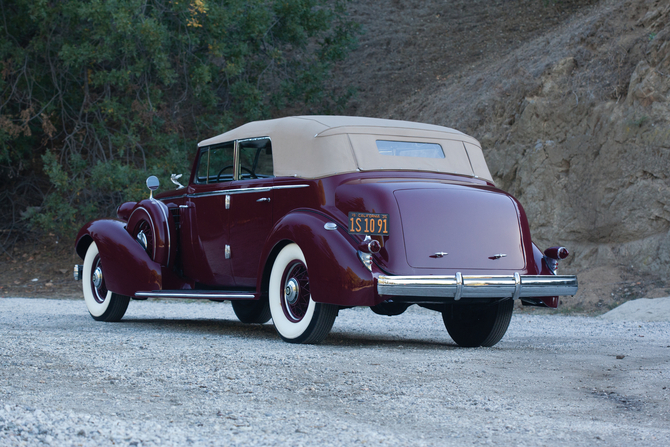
x=318 y=146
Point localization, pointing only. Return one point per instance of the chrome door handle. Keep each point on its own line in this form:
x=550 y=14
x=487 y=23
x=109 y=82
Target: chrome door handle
x=263 y=199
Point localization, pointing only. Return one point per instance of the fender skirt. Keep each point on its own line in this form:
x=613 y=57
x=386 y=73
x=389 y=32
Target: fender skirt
x=126 y=266
x=336 y=274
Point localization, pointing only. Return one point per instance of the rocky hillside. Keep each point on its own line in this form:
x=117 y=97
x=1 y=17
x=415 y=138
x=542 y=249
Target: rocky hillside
x=571 y=104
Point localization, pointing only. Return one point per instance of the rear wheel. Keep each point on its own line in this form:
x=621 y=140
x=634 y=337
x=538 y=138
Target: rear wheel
x=257 y=311
x=297 y=318
x=102 y=304
x=472 y=325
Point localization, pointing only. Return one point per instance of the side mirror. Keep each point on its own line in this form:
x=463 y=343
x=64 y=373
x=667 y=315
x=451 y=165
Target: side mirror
x=152 y=184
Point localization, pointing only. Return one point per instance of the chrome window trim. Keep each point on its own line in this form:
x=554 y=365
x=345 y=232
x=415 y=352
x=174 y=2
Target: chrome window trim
x=255 y=139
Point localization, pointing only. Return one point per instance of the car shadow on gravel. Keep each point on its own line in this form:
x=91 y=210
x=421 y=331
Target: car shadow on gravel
x=385 y=341
x=206 y=326
x=222 y=327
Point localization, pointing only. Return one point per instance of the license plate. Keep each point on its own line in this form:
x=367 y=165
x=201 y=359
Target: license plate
x=369 y=223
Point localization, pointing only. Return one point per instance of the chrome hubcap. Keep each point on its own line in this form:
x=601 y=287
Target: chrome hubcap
x=292 y=291
x=97 y=277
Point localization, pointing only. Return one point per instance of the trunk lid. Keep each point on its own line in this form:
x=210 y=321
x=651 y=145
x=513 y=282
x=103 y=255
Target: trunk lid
x=460 y=227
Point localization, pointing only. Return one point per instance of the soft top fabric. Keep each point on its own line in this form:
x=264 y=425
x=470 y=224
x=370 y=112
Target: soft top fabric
x=319 y=146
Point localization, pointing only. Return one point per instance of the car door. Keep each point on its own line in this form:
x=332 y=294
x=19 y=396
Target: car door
x=205 y=218
x=250 y=208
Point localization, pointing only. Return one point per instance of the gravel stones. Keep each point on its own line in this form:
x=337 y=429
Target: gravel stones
x=178 y=373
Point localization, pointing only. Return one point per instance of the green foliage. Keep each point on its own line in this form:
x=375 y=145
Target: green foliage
x=101 y=93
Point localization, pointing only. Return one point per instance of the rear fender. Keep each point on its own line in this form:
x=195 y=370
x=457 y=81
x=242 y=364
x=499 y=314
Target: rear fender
x=127 y=267
x=540 y=268
x=336 y=274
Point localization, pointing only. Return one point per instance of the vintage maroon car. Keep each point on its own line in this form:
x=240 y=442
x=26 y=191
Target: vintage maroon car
x=296 y=218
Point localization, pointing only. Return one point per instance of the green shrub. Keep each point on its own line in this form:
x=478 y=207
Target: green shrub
x=98 y=94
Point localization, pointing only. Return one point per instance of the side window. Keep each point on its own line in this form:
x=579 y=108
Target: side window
x=255 y=158
x=216 y=164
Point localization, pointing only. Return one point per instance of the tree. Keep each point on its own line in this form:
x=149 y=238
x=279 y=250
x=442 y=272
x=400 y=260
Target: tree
x=97 y=93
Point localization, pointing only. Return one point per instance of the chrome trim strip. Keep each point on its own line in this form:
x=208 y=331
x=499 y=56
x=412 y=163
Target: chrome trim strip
x=290 y=186
x=234 y=191
x=478 y=286
x=230 y=191
x=193 y=294
x=244 y=190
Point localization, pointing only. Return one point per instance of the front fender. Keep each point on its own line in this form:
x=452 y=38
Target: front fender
x=127 y=267
x=336 y=274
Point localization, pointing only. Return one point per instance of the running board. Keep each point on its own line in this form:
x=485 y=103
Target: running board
x=217 y=295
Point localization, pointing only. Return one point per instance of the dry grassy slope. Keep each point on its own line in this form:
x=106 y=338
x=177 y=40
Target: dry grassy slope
x=574 y=117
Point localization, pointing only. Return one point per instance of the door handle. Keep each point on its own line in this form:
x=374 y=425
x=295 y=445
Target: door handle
x=263 y=199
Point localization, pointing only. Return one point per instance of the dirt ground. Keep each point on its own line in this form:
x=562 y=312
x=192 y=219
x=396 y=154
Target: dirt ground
x=408 y=45
x=39 y=270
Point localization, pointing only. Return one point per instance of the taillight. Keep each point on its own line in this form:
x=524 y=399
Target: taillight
x=553 y=255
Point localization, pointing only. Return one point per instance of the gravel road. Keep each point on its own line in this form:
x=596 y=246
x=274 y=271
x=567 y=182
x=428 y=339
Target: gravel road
x=177 y=373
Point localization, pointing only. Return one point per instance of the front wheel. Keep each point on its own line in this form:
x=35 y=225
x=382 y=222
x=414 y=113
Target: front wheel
x=102 y=304
x=472 y=325
x=297 y=318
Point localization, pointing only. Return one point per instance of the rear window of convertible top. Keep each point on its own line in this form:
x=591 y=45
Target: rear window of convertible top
x=410 y=149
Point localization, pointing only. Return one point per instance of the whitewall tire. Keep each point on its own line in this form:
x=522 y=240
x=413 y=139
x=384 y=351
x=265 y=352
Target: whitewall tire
x=102 y=304
x=296 y=317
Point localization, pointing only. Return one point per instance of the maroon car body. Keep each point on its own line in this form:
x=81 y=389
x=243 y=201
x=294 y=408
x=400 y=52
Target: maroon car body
x=297 y=218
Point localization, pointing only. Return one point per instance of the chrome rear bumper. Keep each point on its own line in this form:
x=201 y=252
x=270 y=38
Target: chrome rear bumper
x=478 y=286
